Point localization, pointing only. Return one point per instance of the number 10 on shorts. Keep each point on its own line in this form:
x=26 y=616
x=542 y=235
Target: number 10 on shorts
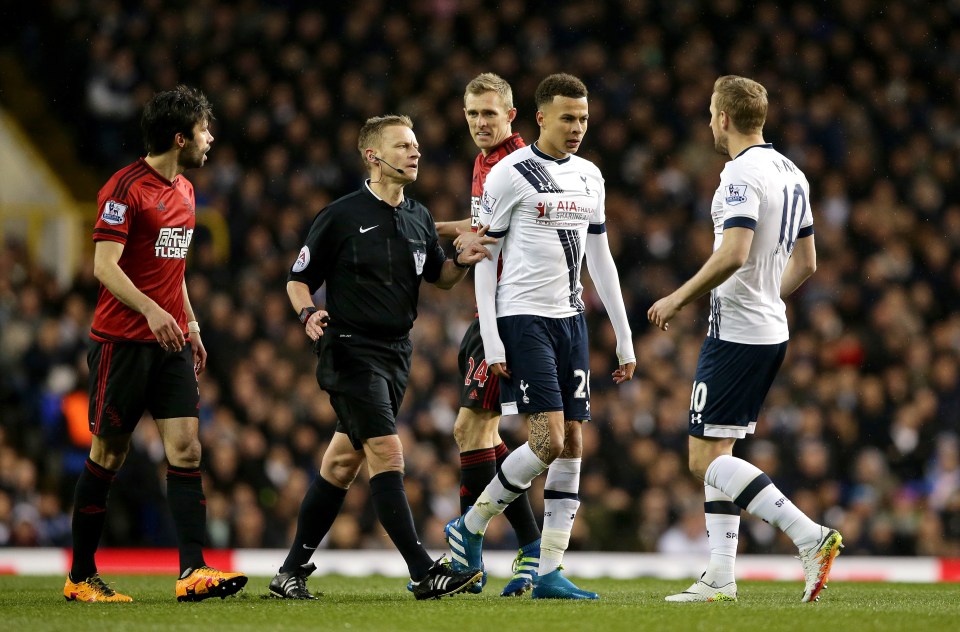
x=698 y=401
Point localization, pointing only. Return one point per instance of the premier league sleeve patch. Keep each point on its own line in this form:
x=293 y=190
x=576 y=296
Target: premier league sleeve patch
x=114 y=213
x=487 y=203
x=736 y=194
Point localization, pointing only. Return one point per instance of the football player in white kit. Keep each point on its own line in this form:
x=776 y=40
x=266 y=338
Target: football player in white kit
x=547 y=207
x=763 y=251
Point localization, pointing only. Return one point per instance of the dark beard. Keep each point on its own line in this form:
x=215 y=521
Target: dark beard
x=192 y=159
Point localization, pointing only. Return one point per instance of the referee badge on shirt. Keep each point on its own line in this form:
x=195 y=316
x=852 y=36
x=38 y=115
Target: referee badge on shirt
x=114 y=213
x=419 y=258
x=736 y=194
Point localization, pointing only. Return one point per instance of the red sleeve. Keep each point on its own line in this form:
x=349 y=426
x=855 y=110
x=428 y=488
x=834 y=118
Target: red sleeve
x=116 y=205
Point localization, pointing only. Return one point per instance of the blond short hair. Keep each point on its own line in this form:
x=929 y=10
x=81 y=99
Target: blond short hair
x=744 y=100
x=372 y=131
x=490 y=82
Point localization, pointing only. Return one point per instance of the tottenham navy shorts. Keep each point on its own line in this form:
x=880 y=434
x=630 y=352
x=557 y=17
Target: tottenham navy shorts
x=549 y=364
x=731 y=383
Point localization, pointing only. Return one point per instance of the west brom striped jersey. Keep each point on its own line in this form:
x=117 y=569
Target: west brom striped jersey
x=542 y=208
x=762 y=190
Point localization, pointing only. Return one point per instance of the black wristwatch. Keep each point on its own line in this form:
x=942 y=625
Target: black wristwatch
x=306 y=313
x=456 y=260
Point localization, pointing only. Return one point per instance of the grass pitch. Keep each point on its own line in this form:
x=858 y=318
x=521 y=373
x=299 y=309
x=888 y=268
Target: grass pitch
x=382 y=604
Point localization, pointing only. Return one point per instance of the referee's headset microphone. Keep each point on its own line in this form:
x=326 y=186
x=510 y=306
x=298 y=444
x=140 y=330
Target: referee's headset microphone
x=379 y=159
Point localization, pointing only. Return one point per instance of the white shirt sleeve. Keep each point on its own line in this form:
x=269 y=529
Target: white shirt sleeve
x=603 y=271
x=741 y=191
x=499 y=198
x=485 y=288
x=496 y=208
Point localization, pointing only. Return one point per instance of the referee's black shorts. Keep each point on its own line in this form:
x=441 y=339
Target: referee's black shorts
x=366 y=379
x=128 y=378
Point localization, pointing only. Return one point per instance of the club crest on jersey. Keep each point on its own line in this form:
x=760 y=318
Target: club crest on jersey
x=736 y=194
x=173 y=243
x=114 y=213
x=303 y=260
x=419 y=258
x=487 y=202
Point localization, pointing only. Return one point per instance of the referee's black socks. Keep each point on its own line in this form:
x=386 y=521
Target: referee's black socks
x=390 y=502
x=319 y=509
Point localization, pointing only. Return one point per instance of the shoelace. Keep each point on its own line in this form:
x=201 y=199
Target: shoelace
x=101 y=586
x=520 y=560
x=299 y=583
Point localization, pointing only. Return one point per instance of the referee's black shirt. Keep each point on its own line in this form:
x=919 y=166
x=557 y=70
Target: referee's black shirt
x=372 y=257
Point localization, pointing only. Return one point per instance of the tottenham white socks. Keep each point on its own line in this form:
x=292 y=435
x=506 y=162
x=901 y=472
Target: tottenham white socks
x=516 y=473
x=560 y=504
x=723 y=534
x=753 y=491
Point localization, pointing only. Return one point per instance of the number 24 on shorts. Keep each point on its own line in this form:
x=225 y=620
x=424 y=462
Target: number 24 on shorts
x=478 y=373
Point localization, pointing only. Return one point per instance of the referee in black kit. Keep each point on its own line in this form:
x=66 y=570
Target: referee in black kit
x=372 y=248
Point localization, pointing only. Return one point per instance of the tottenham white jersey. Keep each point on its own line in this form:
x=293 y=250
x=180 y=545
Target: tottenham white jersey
x=763 y=190
x=541 y=209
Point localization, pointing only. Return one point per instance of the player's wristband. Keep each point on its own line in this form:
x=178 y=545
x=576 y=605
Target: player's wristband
x=193 y=327
x=456 y=261
x=306 y=313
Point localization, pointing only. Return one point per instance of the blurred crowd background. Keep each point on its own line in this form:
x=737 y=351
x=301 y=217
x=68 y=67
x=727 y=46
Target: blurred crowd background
x=862 y=427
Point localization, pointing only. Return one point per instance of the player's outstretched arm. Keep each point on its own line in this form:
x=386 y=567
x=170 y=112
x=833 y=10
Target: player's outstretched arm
x=724 y=261
x=455 y=269
x=450 y=230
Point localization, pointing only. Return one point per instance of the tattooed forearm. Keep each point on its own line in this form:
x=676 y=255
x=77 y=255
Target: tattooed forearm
x=540 y=436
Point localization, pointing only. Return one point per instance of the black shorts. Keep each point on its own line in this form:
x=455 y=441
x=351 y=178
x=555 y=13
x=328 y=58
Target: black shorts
x=481 y=388
x=128 y=378
x=366 y=379
x=731 y=382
